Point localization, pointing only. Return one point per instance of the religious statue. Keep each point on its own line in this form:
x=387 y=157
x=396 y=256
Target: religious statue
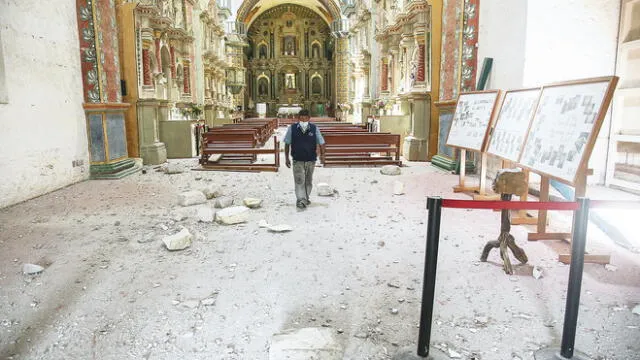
x=289 y=46
x=414 y=66
x=315 y=52
x=263 y=52
x=167 y=8
x=178 y=22
x=262 y=87
x=290 y=81
x=315 y=86
x=161 y=85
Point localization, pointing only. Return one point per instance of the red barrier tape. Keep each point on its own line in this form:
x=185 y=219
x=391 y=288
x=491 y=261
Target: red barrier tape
x=511 y=205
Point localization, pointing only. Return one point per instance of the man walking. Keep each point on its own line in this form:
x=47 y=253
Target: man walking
x=302 y=138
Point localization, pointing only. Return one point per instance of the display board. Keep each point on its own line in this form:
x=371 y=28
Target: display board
x=472 y=119
x=512 y=123
x=565 y=127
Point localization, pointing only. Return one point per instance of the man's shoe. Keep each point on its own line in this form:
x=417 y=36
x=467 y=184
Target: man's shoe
x=301 y=204
x=307 y=202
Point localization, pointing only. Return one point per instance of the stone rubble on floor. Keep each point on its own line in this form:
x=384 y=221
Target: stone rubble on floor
x=193 y=197
x=179 y=241
x=233 y=215
x=390 y=170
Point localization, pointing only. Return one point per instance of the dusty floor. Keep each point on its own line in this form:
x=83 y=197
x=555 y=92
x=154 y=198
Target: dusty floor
x=110 y=290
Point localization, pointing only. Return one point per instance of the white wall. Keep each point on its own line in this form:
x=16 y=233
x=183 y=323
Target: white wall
x=42 y=127
x=502 y=36
x=573 y=39
x=542 y=41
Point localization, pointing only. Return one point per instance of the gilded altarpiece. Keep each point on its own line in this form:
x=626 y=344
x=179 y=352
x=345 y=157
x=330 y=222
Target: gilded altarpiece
x=289 y=61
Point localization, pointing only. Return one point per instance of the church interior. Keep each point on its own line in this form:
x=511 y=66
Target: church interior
x=128 y=105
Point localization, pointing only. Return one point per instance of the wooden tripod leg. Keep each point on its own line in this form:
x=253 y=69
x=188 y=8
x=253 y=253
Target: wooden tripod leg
x=518 y=252
x=487 y=249
x=504 y=252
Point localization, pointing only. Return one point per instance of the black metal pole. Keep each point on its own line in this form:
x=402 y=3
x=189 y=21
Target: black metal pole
x=434 y=205
x=578 y=242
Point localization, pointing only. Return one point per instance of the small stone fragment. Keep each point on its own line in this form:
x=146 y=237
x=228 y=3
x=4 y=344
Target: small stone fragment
x=636 y=310
x=171 y=169
x=394 y=311
x=324 y=189
x=393 y=285
x=212 y=191
x=537 y=272
x=280 y=228
x=252 y=203
x=233 y=215
x=263 y=224
x=610 y=267
x=390 y=170
x=189 y=198
x=398 y=188
x=206 y=214
x=453 y=354
x=179 y=241
x=223 y=202
x=31 y=269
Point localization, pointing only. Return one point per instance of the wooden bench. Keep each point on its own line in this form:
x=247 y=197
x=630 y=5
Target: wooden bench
x=237 y=154
x=357 y=148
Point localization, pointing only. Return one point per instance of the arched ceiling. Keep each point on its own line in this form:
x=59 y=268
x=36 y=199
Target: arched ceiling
x=251 y=9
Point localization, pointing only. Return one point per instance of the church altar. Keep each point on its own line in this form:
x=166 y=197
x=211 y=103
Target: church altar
x=289 y=109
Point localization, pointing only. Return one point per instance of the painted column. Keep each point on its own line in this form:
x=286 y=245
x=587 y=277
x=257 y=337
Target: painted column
x=172 y=53
x=103 y=104
x=384 y=77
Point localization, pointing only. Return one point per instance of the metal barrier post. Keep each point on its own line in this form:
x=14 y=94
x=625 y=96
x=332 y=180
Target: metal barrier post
x=434 y=205
x=578 y=243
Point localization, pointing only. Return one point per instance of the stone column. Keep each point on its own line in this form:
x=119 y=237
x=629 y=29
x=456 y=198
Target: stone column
x=342 y=70
x=153 y=152
x=104 y=109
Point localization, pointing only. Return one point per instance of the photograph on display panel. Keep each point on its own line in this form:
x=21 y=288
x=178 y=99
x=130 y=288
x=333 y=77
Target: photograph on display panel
x=472 y=119
x=512 y=123
x=565 y=127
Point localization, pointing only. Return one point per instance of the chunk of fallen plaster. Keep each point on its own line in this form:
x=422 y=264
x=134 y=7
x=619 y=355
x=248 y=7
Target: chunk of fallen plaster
x=223 y=202
x=189 y=198
x=252 y=203
x=31 y=269
x=212 y=191
x=324 y=189
x=179 y=241
x=390 y=170
x=233 y=215
x=280 y=228
x=206 y=214
x=398 y=188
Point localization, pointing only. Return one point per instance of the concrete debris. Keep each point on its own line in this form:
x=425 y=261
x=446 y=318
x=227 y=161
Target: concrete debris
x=171 y=169
x=481 y=320
x=31 y=269
x=223 y=202
x=610 y=267
x=212 y=191
x=306 y=343
x=179 y=241
x=398 y=188
x=394 y=311
x=280 y=228
x=252 y=203
x=263 y=224
x=233 y=215
x=453 y=354
x=393 y=285
x=636 y=310
x=325 y=189
x=390 y=170
x=537 y=272
x=189 y=198
x=148 y=237
x=206 y=214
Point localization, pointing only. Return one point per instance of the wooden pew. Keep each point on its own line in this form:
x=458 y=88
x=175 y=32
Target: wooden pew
x=348 y=149
x=237 y=154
